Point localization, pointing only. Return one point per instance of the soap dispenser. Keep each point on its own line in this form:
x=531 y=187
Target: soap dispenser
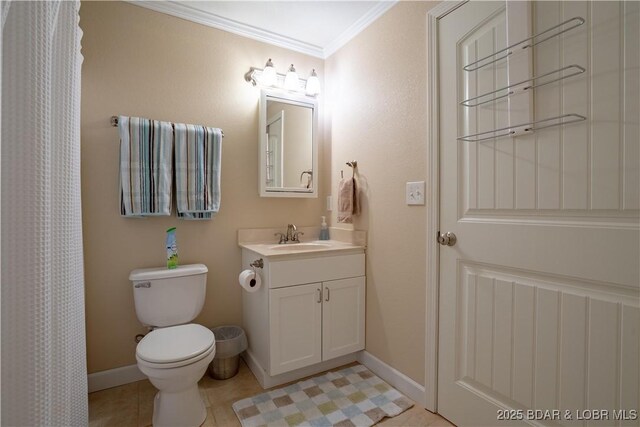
x=324 y=230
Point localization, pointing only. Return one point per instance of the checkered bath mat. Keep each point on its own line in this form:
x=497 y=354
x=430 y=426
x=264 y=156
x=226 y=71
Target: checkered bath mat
x=347 y=398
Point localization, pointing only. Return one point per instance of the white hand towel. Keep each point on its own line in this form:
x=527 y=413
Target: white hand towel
x=348 y=200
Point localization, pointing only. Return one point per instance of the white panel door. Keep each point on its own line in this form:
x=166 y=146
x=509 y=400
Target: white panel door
x=539 y=297
x=274 y=157
x=295 y=318
x=343 y=317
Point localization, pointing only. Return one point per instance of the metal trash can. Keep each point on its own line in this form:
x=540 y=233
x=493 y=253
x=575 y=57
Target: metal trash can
x=230 y=342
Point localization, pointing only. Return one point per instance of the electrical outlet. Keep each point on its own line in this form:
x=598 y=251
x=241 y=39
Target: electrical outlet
x=415 y=193
x=329 y=203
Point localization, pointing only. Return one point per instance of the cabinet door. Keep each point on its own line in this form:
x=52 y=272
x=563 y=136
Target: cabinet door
x=295 y=316
x=343 y=317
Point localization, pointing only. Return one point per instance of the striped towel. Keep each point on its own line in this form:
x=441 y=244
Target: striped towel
x=145 y=166
x=198 y=158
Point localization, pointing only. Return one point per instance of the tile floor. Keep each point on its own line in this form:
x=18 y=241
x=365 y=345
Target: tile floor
x=131 y=405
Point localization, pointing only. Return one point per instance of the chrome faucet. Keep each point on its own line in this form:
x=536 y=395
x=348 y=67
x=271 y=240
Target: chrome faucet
x=283 y=238
x=291 y=230
x=291 y=236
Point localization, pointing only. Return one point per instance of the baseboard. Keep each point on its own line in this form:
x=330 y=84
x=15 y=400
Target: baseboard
x=254 y=366
x=397 y=379
x=268 y=381
x=129 y=374
x=114 y=377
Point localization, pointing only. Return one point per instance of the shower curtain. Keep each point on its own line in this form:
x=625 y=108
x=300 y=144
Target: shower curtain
x=44 y=378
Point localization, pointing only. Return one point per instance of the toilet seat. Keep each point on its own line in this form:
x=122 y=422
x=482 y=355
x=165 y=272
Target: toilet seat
x=175 y=346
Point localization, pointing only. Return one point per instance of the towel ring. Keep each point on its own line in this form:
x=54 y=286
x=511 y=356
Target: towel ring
x=353 y=164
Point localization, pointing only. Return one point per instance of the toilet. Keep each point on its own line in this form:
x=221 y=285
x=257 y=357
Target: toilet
x=176 y=353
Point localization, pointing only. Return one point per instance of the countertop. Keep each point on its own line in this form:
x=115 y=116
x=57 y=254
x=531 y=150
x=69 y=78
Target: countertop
x=272 y=249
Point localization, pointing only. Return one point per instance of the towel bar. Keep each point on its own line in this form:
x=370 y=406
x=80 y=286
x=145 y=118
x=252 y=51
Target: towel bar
x=114 y=123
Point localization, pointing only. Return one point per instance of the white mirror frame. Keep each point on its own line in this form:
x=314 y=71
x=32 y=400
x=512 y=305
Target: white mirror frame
x=288 y=98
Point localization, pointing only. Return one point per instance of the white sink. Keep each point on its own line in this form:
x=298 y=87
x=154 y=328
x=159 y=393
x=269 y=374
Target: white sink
x=300 y=247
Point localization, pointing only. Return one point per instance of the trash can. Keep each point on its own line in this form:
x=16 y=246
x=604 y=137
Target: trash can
x=230 y=342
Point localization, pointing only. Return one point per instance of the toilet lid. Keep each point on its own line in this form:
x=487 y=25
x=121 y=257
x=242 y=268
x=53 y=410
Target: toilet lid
x=175 y=343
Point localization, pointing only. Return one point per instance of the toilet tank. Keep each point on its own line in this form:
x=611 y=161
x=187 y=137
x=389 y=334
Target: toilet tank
x=166 y=297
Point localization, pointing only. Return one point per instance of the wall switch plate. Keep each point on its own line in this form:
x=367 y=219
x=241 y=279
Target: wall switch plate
x=415 y=193
x=329 y=203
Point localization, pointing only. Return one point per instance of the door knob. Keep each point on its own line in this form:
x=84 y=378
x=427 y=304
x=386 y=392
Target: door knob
x=447 y=239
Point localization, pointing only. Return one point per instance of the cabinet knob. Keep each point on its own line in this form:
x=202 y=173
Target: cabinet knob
x=319 y=300
x=328 y=295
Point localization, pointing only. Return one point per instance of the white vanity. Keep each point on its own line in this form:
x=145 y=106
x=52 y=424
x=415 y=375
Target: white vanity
x=309 y=314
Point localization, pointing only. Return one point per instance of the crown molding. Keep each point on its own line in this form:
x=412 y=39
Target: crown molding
x=181 y=10
x=358 y=26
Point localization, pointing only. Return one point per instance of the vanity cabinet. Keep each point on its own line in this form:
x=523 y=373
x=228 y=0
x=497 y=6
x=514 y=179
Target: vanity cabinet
x=308 y=314
x=295 y=317
x=343 y=305
x=315 y=322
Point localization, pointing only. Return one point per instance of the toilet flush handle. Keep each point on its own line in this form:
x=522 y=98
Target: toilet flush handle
x=142 y=285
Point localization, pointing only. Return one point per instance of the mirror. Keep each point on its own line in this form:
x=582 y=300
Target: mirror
x=288 y=148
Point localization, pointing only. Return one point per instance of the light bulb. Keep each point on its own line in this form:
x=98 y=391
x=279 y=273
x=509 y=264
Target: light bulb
x=291 y=81
x=268 y=77
x=313 y=84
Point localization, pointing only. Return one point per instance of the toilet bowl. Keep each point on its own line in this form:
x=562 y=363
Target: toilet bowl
x=175 y=353
x=175 y=358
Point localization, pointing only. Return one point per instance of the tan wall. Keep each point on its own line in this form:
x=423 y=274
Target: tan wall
x=376 y=98
x=143 y=63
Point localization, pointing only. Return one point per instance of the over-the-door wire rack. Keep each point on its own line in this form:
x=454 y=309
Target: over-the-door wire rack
x=512 y=88
x=525 y=85
x=576 y=22
x=563 y=119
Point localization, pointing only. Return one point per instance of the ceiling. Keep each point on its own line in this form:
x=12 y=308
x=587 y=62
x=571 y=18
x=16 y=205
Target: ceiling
x=316 y=28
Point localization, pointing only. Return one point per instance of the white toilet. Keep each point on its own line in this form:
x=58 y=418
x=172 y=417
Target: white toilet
x=176 y=353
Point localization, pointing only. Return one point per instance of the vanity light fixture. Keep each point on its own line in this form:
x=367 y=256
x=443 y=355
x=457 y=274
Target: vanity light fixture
x=268 y=77
x=313 y=84
x=291 y=80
